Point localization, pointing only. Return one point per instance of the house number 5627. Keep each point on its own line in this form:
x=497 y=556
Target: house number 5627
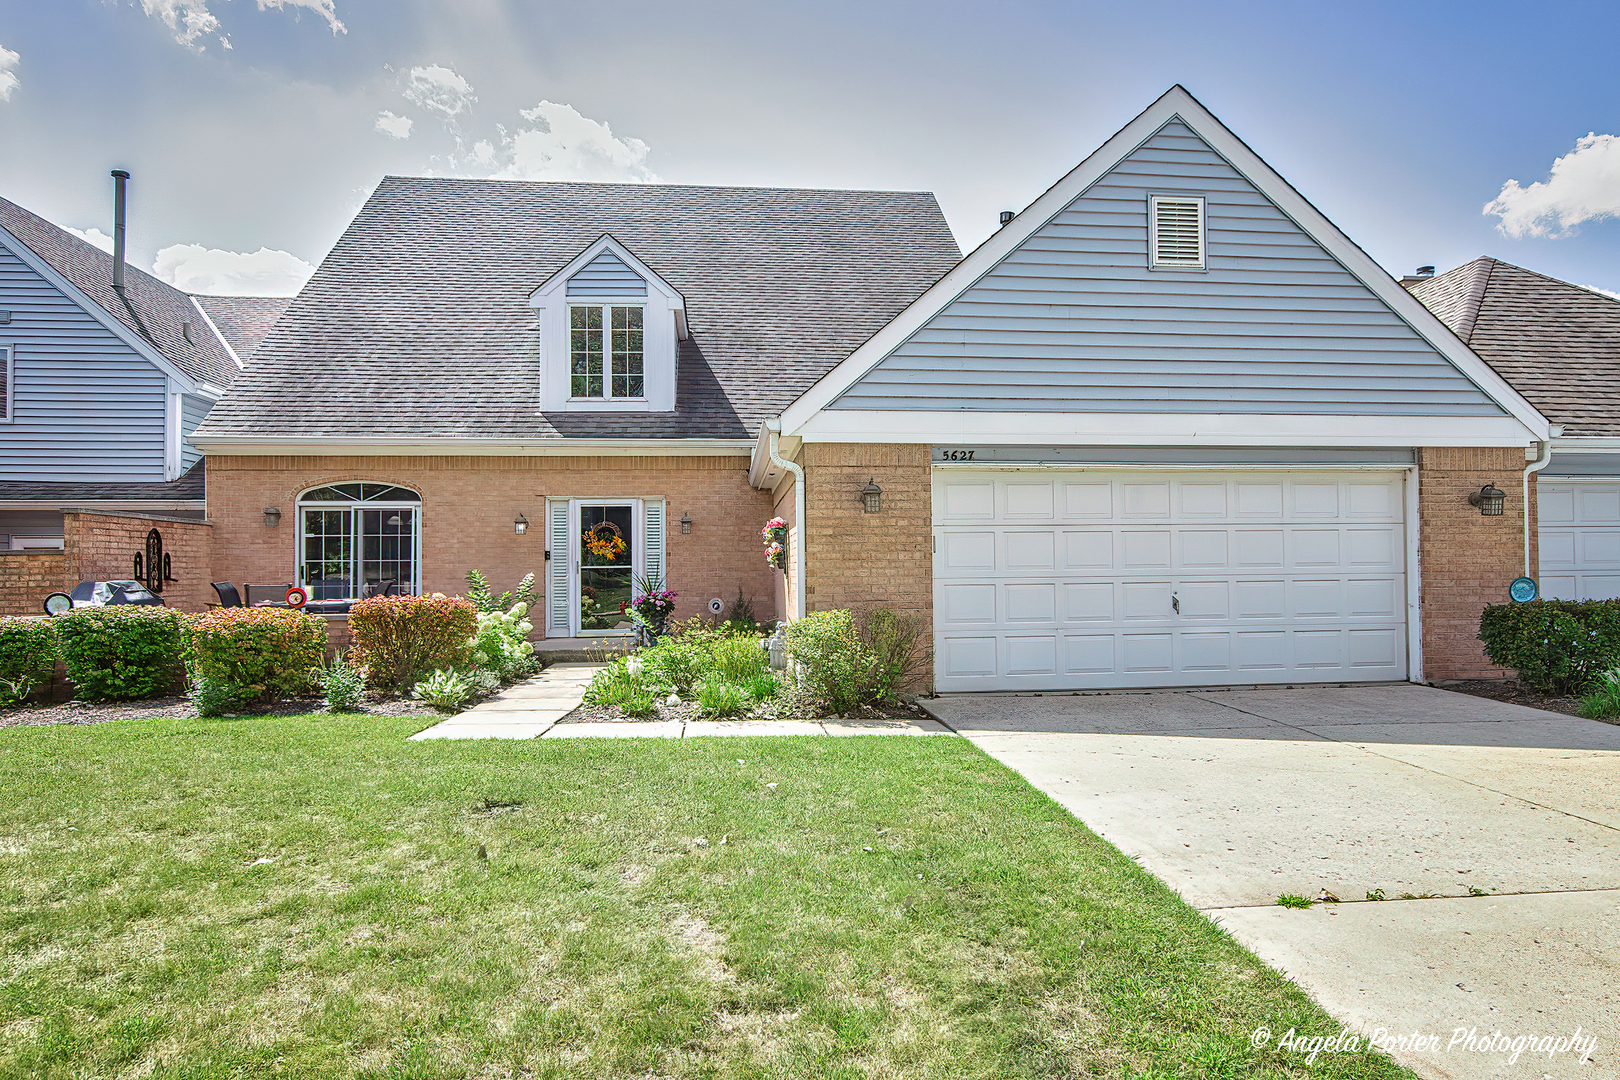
x=956 y=455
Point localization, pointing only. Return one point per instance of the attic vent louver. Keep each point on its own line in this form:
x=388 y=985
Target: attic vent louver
x=1176 y=232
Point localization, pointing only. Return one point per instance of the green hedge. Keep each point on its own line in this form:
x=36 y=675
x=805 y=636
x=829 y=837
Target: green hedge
x=27 y=656
x=256 y=654
x=1556 y=646
x=121 y=653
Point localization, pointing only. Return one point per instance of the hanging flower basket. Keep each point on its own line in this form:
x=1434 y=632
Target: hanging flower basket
x=774 y=534
x=604 y=541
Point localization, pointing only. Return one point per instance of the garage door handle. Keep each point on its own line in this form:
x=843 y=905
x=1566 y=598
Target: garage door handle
x=1175 y=602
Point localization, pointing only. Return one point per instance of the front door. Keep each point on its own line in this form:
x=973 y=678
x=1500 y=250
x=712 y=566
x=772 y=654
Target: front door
x=607 y=566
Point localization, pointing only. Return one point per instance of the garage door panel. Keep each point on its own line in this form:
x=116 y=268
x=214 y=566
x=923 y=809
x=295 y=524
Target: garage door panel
x=1579 y=539
x=1131 y=580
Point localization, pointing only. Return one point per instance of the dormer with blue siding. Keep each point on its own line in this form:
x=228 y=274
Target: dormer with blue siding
x=101 y=391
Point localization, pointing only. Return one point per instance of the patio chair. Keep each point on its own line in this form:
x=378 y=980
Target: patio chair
x=228 y=596
x=384 y=587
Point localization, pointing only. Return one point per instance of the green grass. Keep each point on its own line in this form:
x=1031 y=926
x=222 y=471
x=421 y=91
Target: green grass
x=648 y=908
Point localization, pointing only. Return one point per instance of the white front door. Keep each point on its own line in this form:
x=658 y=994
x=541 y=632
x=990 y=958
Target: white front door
x=1092 y=579
x=598 y=553
x=1578 y=536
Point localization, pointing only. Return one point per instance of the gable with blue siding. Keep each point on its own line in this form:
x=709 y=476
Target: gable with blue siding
x=1074 y=321
x=608 y=277
x=85 y=405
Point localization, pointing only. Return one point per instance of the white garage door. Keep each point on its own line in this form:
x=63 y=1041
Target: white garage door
x=1051 y=580
x=1579 y=534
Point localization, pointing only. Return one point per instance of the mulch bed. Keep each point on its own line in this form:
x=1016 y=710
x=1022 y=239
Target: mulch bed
x=179 y=708
x=688 y=711
x=1515 y=693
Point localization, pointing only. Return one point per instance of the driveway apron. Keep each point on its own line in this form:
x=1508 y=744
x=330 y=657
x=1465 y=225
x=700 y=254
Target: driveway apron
x=1492 y=832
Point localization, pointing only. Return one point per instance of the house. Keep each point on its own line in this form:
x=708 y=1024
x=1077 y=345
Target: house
x=104 y=382
x=1168 y=426
x=1558 y=344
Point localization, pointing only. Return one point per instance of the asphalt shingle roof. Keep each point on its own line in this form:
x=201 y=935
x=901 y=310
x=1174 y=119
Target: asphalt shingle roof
x=162 y=308
x=1557 y=344
x=243 y=321
x=193 y=485
x=418 y=321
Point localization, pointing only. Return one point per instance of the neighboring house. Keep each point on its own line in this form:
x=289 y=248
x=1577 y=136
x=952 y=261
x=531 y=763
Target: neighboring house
x=1559 y=345
x=100 y=396
x=1168 y=426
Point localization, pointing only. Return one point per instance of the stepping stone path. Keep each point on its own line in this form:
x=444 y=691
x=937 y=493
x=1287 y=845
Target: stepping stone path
x=532 y=709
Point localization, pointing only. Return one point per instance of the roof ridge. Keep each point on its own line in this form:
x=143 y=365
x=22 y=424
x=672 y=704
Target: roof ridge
x=630 y=186
x=1476 y=295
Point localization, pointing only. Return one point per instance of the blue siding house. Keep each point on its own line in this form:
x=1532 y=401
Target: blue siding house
x=102 y=390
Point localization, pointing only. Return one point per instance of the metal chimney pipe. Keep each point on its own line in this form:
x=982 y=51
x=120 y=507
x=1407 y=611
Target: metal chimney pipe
x=120 y=179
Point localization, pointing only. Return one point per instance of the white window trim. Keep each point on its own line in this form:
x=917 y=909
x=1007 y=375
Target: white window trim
x=1154 y=262
x=8 y=373
x=355 y=554
x=606 y=307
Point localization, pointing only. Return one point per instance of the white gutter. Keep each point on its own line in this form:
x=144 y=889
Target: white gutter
x=1534 y=467
x=775 y=428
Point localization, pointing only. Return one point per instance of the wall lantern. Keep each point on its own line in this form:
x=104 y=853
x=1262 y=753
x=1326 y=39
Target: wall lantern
x=1490 y=499
x=686 y=523
x=272 y=516
x=520 y=525
x=872 y=497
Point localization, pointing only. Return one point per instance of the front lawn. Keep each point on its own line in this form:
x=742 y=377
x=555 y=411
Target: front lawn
x=306 y=896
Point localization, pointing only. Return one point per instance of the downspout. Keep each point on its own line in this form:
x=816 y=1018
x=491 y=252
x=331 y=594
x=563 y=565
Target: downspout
x=774 y=427
x=1534 y=467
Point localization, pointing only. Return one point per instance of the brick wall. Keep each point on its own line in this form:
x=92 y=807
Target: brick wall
x=101 y=544
x=1466 y=559
x=865 y=561
x=27 y=577
x=469 y=504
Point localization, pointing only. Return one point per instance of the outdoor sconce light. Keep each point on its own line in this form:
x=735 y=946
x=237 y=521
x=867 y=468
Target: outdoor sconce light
x=520 y=525
x=1490 y=499
x=272 y=516
x=872 y=497
x=686 y=523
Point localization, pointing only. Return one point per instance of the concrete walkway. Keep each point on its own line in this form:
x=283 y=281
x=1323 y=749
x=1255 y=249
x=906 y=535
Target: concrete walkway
x=524 y=711
x=1235 y=797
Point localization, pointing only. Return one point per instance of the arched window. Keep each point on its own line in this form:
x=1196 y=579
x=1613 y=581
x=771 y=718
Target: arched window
x=354 y=539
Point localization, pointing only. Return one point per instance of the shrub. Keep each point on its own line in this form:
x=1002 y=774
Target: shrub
x=397 y=638
x=1603 y=701
x=501 y=644
x=255 y=654
x=676 y=664
x=740 y=615
x=478 y=592
x=1556 y=646
x=829 y=661
x=738 y=659
x=718 y=700
x=445 y=690
x=210 y=696
x=895 y=659
x=121 y=653
x=27 y=656
x=342 y=681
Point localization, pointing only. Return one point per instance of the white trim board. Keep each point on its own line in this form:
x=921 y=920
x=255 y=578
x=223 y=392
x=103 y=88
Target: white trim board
x=315 y=446
x=1176 y=103
x=1159 y=429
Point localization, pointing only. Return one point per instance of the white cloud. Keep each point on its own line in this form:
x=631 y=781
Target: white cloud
x=188 y=20
x=1610 y=293
x=8 y=77
x=1584 y=185
x=191 y=19
x=94 y=236
x=266 y=272
x=397 y=126
x=563 y=145
x=439 y=89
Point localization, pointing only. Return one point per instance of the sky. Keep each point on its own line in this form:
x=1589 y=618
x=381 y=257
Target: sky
x=254 y=129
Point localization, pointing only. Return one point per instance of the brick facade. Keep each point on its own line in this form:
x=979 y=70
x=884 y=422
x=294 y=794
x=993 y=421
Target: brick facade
x=470 y=503
x=100 y=545
x=1466 y=559
x=866 y=561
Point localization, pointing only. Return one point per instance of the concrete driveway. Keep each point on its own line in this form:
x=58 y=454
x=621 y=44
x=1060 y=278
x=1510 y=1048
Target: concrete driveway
x=1492 y=830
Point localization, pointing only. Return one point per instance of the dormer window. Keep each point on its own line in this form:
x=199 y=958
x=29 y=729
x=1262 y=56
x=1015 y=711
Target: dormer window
x=610 y=365
x=610 y=333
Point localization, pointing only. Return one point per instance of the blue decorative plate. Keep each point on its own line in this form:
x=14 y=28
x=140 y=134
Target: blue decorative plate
x=1522 y=589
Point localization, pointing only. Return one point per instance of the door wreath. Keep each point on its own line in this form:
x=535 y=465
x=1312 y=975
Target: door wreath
x=605 y=541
